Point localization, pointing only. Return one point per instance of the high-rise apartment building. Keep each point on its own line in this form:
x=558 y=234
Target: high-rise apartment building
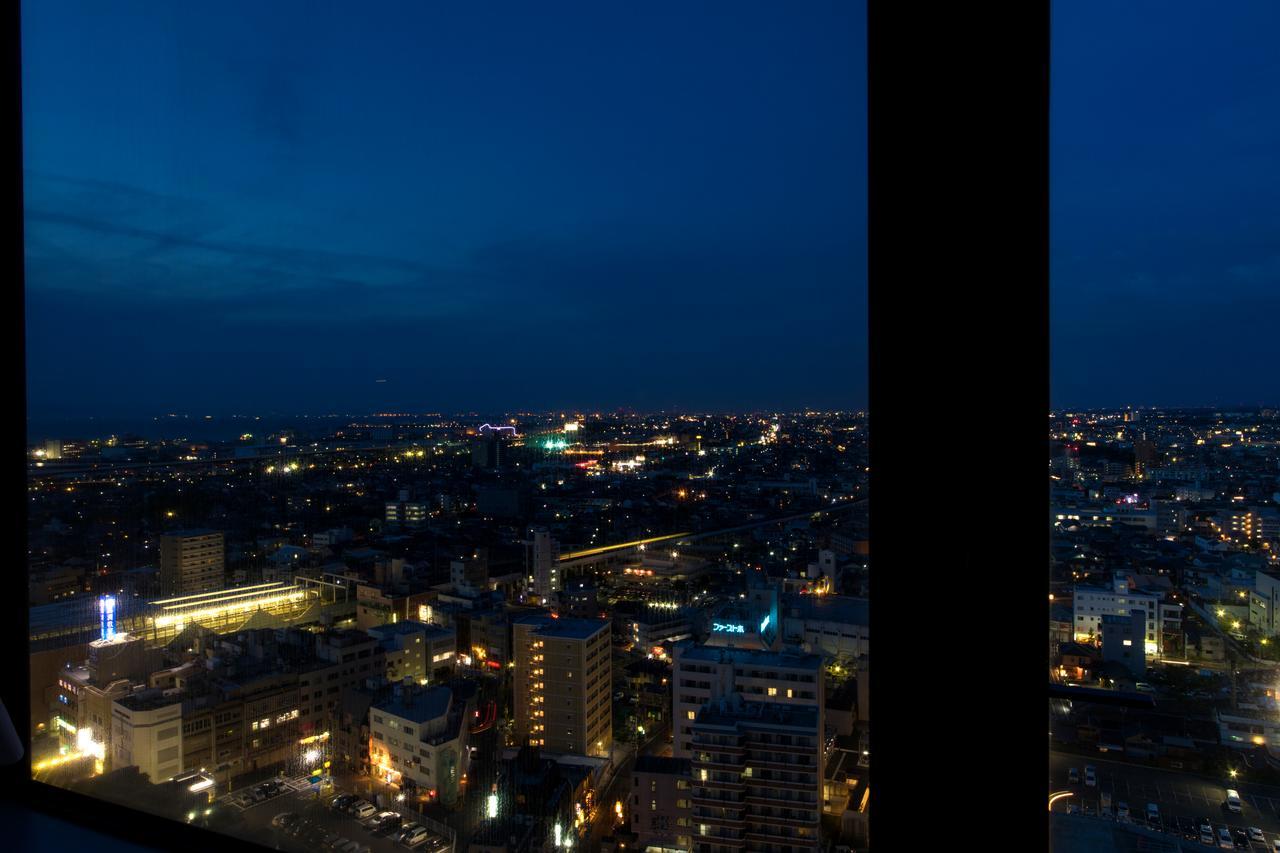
x=701 y=674
x=191 y=561
x=757 y=777
x=542 y=558
x=563 y=679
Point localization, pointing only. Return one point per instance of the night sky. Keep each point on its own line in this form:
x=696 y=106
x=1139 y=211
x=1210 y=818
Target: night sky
x=1165 y=188
x=249 y=207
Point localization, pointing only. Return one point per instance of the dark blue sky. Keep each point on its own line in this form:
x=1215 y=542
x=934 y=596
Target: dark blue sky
x=1165 y=188
x=250 y=207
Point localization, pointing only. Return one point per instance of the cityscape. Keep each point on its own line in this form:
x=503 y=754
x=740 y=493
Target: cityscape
x=446 y=425
x=1164 y=636
x=510 y=633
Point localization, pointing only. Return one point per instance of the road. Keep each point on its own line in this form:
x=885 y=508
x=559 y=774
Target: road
x=1177 y=794
x=621 y=782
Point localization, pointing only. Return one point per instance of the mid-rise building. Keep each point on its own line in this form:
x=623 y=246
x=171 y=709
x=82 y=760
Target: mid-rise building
x=757 y=777
x=542 y=559
x=146 y=732
x=563 y=684
x=191 y=561
x=419 y=740
x=415 y=650
x=1122 y=640
x=660 y=803
x=702 y=674
x=1090 y=604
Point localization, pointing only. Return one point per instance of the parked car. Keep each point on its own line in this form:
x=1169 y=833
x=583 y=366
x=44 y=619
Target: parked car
x=1122 y=810
x=363 y=810
x=1090 y=776
x=339 y=843
x=405 y=828
x=416 y=837
x=386 y=827
x=1153 y=814
x=284 y=820
x=1255 y=834
x=1073 y=776
x=1224 y=839
x=1240 y=837
x=340 y=802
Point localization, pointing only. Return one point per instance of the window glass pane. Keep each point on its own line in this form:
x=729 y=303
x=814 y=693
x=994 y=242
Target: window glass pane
x=1165 y=497
x=418 y=394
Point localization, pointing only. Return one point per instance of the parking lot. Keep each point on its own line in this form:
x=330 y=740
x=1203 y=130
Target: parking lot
x=1179 y=797
x=317 y=827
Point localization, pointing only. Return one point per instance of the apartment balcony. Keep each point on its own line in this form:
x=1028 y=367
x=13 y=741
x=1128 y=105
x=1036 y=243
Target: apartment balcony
x=754 y=797
x=759 y=783
x=809 y=766
x=705 y=799
x=780 y=747
x=708 y=746
x=770 y=836
x=718 y=764
x=717 y=785
x=713 y=820
x=706 y=842
x=774 y=820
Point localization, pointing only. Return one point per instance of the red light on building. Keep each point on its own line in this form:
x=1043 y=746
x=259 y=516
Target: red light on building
x=494 y=664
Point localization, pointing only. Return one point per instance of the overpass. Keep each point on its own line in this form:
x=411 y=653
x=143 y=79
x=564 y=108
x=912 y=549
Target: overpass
x=590 y=556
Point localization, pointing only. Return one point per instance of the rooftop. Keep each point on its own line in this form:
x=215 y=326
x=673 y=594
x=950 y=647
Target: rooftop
x=662 y=764
x=419 y=705
x=727 y=654
x=569 y=627
x=829 y=608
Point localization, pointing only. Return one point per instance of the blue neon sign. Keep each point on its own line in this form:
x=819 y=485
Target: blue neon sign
x=728 y=628
x=107 y=617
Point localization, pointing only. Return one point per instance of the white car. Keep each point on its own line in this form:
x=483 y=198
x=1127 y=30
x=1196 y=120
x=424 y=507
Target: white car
x=1255 y=834
x=364 y=811
x=1090 y=776
x=1122 y=810
x=1275 y=845
x=1206 y=836
x=416 y=838
x=1153 y=813
x=1224 y=839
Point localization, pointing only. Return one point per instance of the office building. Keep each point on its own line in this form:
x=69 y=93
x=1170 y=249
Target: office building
x=563 y=684
x=191 y=561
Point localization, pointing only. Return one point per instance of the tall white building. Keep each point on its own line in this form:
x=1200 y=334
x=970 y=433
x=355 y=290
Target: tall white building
x=542 y=560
